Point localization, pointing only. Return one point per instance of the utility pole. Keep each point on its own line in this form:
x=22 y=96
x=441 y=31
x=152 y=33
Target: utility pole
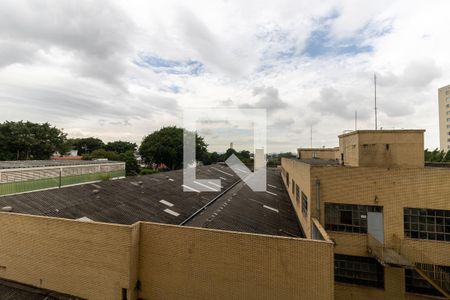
x=375 y=88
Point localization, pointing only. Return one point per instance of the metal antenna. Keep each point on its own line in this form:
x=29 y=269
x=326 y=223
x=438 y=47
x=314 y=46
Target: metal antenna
x=375 y=86
x=356 y=120
x=311 y=136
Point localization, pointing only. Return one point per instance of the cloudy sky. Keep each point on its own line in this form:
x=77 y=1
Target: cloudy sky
x=121 y=69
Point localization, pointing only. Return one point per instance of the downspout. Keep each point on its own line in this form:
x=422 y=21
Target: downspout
x=318 y=199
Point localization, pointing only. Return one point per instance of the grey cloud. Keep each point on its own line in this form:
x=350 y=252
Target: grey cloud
x=420 y=73
x=95 y=33
x=269 y=99
x=282 y=124
x=333 y=102
x=210 y=49
x=227 y=102
x=417 y=74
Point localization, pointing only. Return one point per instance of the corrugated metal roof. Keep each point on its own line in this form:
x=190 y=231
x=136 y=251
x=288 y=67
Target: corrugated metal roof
x=10 y=290
x=134 y=199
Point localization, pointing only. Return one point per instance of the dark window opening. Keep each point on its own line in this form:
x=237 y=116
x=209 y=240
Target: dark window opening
x=348 y=217
x=293 y=186
x=358 y=270
x=414 y=283
x=387 y=146
x=426 y=224
x=304 y=204
x=124 y=294
x=297 y=193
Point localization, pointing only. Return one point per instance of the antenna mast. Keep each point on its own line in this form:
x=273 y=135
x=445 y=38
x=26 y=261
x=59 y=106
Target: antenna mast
x=375 y=86
x=356 y=120
x=311 y=136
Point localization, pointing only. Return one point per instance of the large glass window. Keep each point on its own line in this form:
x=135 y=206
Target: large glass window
x=358 y=270
x=414 y=283
x=427 y=224
x=297 y=193
x=348 y=217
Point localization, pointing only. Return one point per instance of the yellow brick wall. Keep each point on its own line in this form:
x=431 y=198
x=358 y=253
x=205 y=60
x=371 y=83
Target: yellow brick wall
x=300 y=173
x=394 y=190
x=85 y=259
x=191 y=263
x=96 y=260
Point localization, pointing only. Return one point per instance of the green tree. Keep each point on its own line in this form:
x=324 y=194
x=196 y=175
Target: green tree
x=166 y=146
x=131 y=165
x=120 y=146
x=86 y=145
x=27 y=140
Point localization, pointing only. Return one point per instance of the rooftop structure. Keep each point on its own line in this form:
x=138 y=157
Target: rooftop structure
x=382 y=148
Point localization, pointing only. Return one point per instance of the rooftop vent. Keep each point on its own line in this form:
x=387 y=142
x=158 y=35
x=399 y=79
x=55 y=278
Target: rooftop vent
x=7 y=208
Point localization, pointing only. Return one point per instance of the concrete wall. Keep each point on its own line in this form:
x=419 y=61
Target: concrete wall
x=190 y=263
x=85 y=259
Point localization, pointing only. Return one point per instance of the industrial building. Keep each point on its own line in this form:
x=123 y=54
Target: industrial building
x=31 y=175
x=365 y=220
x=444 y=117
x=387 y=213
x=145 y=238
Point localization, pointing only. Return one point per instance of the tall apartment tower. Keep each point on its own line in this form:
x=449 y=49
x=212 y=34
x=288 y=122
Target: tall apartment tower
x=444 y=117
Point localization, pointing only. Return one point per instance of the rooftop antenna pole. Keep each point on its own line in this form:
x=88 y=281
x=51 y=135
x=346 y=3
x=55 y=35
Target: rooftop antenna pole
x=356 y=120
x=311 y=136
x=375 y=86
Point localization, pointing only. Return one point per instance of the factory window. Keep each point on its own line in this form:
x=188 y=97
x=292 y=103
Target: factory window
x=448 y=112
x=448 y=105
x=448 y=119
x=414 y=283
x=293 y=186
x=348 y=217
x=297 y=193
x=448 y=126
x=287 y=179
x=427 y=224
x=304 y=204
x=358 y=270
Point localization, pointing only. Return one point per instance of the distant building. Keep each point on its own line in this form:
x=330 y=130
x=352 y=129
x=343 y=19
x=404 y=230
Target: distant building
x=444 y=117
x=31 y=175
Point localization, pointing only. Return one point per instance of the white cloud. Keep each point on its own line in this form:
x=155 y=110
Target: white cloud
x=74 y=64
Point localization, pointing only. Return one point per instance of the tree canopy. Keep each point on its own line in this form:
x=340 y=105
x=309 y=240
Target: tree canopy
x=27 y=140
x=166 y=146
x=86 y=145
x=120 y=146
